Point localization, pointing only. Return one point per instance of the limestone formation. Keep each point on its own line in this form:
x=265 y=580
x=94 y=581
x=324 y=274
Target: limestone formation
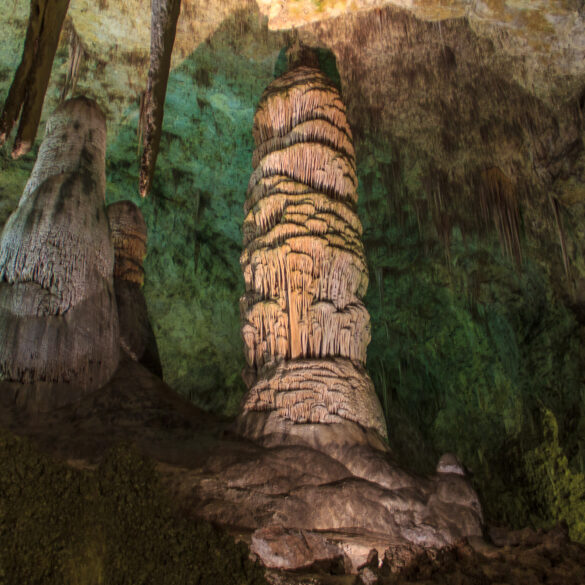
x=28 y=89
x=304 y=326
x=129 y=239
x=165 y=14
x=58 y=318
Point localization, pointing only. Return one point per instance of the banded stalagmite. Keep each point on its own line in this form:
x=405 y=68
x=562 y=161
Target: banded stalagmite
x=129 y=236
x=305 y=328
x=59 y=333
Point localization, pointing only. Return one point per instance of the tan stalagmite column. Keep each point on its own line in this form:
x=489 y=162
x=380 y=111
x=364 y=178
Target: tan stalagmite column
x=304 y=326
x=58 y=318
x=129 y=239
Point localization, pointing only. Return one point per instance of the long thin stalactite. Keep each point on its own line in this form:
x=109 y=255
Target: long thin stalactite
x=27 y=92
x=165 y=14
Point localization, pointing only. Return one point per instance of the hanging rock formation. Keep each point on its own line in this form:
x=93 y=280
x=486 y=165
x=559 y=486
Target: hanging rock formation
x=304 y=326
x=58 y=318
x=129 y=238
x=165 y=14
x=28 y=89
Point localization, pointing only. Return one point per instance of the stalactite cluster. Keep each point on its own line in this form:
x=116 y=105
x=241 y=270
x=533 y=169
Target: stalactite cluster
x=497 y=198
x=28 y=89
x=58 y=319
x=129 y=238
x=304 y=326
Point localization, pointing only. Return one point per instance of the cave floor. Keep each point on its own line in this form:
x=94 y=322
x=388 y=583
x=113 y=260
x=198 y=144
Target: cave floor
x=188 y=445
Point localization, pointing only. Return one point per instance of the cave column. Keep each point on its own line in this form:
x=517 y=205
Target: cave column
x=304 y=325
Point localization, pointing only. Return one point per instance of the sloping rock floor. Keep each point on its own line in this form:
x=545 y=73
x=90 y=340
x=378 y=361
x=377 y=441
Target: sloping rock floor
x=207 y=467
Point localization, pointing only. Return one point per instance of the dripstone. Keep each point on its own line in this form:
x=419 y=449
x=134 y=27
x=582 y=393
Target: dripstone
x=305 y=327
x=129 y=238
x=58 y=318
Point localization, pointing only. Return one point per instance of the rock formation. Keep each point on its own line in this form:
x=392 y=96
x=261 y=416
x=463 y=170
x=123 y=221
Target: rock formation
x=165 y=14
x=58 y=318
x=304 y=326
x=129 y=238
x=28 y=89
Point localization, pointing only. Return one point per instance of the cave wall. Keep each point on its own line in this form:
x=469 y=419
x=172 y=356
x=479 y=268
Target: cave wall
x=471 y=179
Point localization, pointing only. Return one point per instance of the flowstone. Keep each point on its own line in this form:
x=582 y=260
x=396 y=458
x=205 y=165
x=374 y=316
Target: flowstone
x=129 y=237
x=58 y=318
x=305 y=327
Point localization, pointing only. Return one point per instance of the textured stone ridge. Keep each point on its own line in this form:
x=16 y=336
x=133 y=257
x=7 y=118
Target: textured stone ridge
x=129 y=238
x=58 y=317
x=305 y=328
x=312 y=391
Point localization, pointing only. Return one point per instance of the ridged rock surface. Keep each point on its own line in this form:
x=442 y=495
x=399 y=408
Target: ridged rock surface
x=304 y=326
x=129 y=238
x=58 y=317
x=298 y=504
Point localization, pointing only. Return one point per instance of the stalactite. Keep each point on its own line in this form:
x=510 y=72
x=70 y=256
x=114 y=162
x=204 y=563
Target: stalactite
x=498 y=202
x=305 y=329
x=58 y=317
x=165 y=14
x=76 y=54
x=28 y=89
x=561 y=233
x=129 y=239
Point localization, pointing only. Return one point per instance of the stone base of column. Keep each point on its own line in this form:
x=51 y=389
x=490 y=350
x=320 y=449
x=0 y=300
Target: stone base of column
x=325 y=391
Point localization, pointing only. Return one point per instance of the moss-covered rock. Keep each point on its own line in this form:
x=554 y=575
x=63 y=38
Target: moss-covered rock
x=114 y=525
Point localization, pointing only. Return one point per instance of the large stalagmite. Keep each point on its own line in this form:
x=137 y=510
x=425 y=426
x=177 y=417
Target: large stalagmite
x=58 y=319
x=129 y=239
x=304 y=326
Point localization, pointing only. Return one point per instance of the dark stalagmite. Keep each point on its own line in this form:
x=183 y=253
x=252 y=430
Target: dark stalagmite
x=129 y=237
x=305 y=327
x=59 y=333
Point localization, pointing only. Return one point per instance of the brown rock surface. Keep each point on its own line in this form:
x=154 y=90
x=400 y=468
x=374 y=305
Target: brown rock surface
x=305 y=328
x=58 y=317
x=272 y=494
x=129 y=238
x=27 y=92
x=165 y=14
x=253 y=490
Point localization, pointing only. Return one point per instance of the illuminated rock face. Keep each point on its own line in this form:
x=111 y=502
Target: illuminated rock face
x=304 y=326
x=129 y=238
x=58 y=317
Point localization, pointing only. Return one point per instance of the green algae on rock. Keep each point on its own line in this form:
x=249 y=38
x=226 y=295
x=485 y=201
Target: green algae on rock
x=113 y=525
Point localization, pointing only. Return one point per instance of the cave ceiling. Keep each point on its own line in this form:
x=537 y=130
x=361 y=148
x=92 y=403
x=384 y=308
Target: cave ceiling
x=386 y=50
x=456 y=81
